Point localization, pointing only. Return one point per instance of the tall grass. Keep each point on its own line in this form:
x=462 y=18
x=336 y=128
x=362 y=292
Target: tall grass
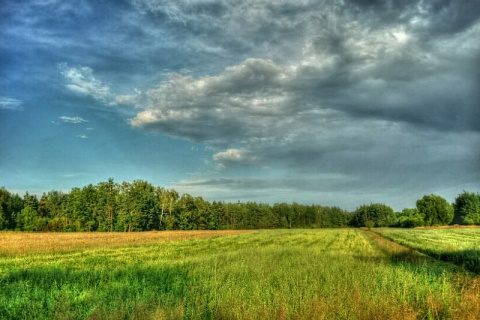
x=458 y=245
x=280 y=274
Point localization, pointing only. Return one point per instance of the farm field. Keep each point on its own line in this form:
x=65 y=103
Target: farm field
x=277 y=274
x=458 y=245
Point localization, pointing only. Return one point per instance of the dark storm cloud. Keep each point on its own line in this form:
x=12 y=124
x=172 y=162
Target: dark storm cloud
x=372 y=90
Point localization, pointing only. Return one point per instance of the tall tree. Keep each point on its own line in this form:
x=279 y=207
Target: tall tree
x=4 y=214
x=28 y=220
x=436 y=209
x=380 y=214
x=138 y=206
x=467 y=208
x=108 y=193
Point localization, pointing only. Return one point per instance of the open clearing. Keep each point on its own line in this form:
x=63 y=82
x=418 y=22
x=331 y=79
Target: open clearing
x=278 y=274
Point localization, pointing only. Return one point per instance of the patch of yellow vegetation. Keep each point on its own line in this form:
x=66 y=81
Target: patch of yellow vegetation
x=18 y=243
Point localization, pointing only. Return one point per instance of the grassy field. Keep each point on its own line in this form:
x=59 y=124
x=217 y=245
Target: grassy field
x=278 y=274
x=20 y=243
x=458 y=245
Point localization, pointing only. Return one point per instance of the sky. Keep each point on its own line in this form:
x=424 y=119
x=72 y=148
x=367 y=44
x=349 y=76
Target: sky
x=338 y=103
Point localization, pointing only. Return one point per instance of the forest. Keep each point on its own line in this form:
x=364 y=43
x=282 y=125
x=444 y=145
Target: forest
x=140 y=206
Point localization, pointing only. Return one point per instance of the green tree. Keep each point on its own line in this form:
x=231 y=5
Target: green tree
x=381 y=215
x=3 y=218
x=11 y=210
x=410 y=218
x=166 y=200
x=81 y=209
x=369 y=224
x=336 y=217
x=284 y=213
x=137 y=207
x=467 y=208
x=30 y=201
x=28 y=219
x=4 y=197
x=436 y=209
x=108 y=193
x=220 y=210
x=267 y=217
x=205 y=218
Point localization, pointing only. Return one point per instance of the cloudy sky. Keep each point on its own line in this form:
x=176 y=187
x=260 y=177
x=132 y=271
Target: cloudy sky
x=329 y=102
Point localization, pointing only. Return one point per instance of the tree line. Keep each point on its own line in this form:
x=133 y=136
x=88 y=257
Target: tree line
x=140 y=206
x=430 y=210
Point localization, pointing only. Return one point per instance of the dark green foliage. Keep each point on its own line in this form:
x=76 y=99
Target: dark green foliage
x=436 y=209
x=139 y=206
x=381 y=215
x=29 y=220
x=10 y=207
x=410 y=218
x=467 y=208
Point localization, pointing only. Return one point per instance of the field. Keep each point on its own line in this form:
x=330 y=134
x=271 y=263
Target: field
x=458 y=245
x=278 y=274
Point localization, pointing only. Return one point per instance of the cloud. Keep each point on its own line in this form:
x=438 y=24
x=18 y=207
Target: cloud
x=82 y=136
x=233 y=156
x=12 y=104
x=82 y=81
x=228 y=106
x=359 y=83
x=284 y=92
x=72 y=119
x=274 y=189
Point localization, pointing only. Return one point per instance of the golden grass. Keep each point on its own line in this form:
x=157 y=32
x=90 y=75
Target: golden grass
x=18 y=243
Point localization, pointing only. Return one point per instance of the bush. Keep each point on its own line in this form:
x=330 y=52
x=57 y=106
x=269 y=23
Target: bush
x=369 y=224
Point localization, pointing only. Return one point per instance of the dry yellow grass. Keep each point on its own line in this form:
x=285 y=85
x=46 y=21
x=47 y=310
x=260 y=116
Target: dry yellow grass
x=18 y=243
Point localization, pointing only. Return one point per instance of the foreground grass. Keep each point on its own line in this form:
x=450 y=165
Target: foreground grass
x=281 y=274
x=458 y=245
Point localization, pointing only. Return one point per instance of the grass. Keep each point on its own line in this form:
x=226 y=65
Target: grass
x=458 y=245
x=278 y=274
x=19 y=243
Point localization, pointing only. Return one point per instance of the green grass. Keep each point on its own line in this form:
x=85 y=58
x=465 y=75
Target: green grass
x=458 y=245
x=279 y=274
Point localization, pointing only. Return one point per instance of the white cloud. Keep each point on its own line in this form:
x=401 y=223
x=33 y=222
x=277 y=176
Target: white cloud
x=82 y=136
x=7 y=103
x=233 y=156
x=82 y=81
x=246 y=100
x=132 y=99
x=72 y=119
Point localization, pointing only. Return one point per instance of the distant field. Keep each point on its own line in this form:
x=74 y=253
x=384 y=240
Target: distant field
x=18 y=243
x=458 y=245
x=278 y=274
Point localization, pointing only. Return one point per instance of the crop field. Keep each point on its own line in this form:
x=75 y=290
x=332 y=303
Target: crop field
x=278 y=274
x=458 y=245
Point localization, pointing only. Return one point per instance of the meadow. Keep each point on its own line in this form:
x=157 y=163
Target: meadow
x=458 y=245
x=274 y=274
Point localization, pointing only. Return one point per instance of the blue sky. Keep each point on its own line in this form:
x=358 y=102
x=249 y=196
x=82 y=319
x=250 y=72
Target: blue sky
x=329 y=102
